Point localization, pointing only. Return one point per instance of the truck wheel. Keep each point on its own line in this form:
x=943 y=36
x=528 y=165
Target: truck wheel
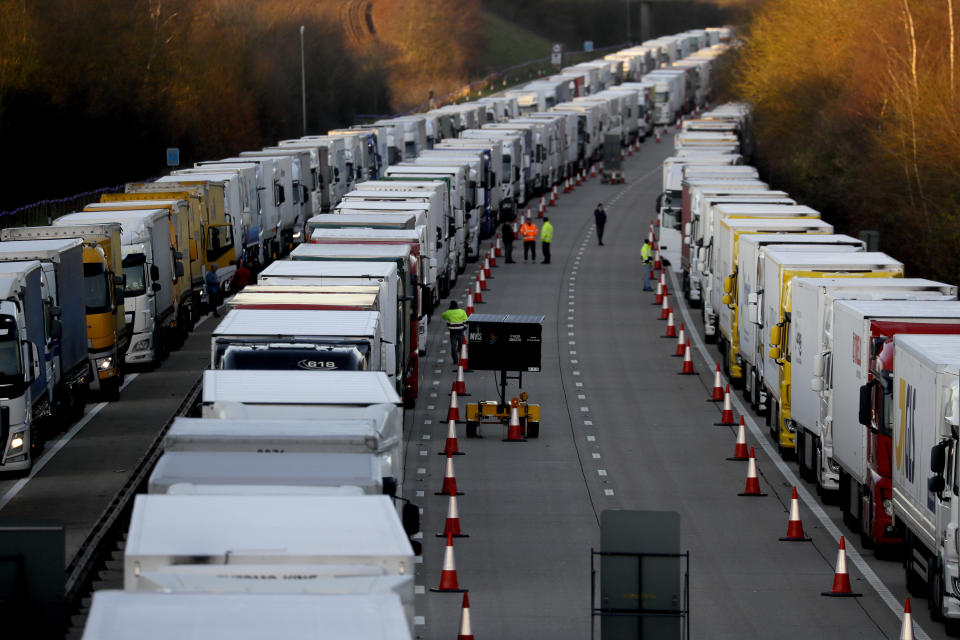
x=111 y=388
x=472 y=429
x=952 y=627
x=802 y=469
x=533 y=429
x=935 y=591
x=910 y=578
x=866 y=524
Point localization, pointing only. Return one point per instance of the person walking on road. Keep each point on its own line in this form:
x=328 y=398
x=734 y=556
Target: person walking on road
x=529 y=231
x=646 y=254
x=600 y=217
x=506 y=230
x=546 y=237
x=456 y=319
x=241 y=277
x=212 y=284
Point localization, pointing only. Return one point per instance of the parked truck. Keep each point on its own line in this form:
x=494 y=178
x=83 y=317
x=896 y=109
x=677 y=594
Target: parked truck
x=926 y=474
x=150 y=273
x=108 y=335
x=775 y=311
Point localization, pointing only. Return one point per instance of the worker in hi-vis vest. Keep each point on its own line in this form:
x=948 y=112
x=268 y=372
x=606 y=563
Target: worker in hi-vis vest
x=529 y=231
x=646 y=254
x=546 y=237
x=456 y=319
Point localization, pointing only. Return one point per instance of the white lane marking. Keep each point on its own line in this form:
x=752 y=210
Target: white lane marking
x=608 y=492
x=896 y=607
x=433 y=395
x=426 y=436
x=419 y=621
x=569 y=317
x=576 y=373
x=581 y=396
x=436 y=382
x=571 y=342
x=573 y=353
x=417 y=559
x=423 y=452
x=579 y=384
x=570 y=326
x=438 y=370
x=419 y=494
x=596 y=456
x=431 y=407
x=585 y=409
x=574 y=362
x=602 y=472
x=419 y=589
x=428 y=422
x=591 y=438
x=588 y=423
x=421 y=470
x=62 y=441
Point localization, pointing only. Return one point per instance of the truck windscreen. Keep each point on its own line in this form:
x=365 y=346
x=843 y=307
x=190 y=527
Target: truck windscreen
x=11 y=371
x=136 y=275
x=95 y=288
x=295 y=357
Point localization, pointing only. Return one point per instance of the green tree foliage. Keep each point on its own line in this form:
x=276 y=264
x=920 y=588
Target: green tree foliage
x=855 y=105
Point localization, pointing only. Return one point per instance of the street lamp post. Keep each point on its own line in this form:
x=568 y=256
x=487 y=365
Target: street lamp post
x=303 y=81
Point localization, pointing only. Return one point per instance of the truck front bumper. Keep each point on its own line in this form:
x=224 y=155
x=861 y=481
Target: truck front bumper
x=142 y=350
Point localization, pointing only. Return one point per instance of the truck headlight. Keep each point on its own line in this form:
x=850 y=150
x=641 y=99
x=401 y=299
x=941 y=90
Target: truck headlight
x=833 y=466
x=17 y=441
x=105 y=364
x=791 y=426
x=141 y=345
x=887 y=506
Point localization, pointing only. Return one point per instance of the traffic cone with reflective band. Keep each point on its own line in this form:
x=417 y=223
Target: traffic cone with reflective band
x=498 y=248
x=492 y=254
x=657 y=129
x=566 y=185
x=753 y=482
x=717 y=394
x=681 y=343
x=453 y=413
x=794 y=526
x=671 y=327
x=740 y=452
x=657 y=264
x=593 y=171
x=514 y=225
x=542 y=208
x=726 y=416
x=906 y=631
x=470 y=308
x=482 y=279
x=553 y=196
x=658 y=297
x=687 y=369
x=841 y=579
x=629 y=151
x=451 y=447
x=650 y=234
x=514 y=428
x=464 y=361
x=451 y=527
x=466 y=633
x=459 y=385
x=585 y=174
x=486 y=266
x=622 y=157
x=664 y=308
x=477 y=293
x=448 y=576
x=638 y=143
x=578 y=178
x=449 y=486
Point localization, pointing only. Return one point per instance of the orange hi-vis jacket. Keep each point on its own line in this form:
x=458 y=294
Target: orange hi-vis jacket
x=529 y=232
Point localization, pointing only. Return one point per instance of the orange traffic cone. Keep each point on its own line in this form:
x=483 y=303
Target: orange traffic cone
x=470 y=308
x=841 y=579
x=629 y=151
x=465 y=632
x=794 y=526
x=498 y=248
x=486 y=266
x=451 y=448
x=906 y=631
x=664 y=308
x=753 y=482
x=449 y=486
x=658 y=297
x=459 y=385
x=514 y=428
x=553 y=196
x=482 y=279
x=464 y=361
x=638 y=144
x=477 y=293
x=451 y=527
x=453 y=413
x=514 y=225
x=681 y=343
x=566 y=185
x=671 y=327
x=658 y=134
x=657 y=265
x=448 y=576
x=578 y=178
x=621 y=155
x=687 y=369
x=584 y=172
x=717 y=394
x=726 y=416
x=593 y=171
x=740 y=452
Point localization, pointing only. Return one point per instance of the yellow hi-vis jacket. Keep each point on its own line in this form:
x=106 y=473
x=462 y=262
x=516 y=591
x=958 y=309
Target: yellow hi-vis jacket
x=646 y=252
x=546 y=233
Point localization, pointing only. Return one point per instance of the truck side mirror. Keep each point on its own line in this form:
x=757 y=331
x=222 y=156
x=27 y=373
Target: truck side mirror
x=866 y=405
x=936 y=484
x=938 y=457
x=410 y=517
x=154 y=272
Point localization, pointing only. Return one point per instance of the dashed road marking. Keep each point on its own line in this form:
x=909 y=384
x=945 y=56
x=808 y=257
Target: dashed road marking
x=602 y=473
x=419 y=621
x=584 y=409
x=419 y=589
x=591 y=438
x=419 y=494
x=596 y=456
x=428 y=422
x=588 y=423
x=608 y=492
x=423 y=452
x=421 y=470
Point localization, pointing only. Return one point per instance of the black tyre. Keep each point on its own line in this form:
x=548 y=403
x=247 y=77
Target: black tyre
x=935 y=590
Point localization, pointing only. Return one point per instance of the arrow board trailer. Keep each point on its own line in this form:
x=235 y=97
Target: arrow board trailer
x=290 y=543
x=857 y=323
x=243 y=473
x=746 y=288
x=812 y=340
x=779 y=268
x=303 y=340
x=721 y=249
x=374 y=430
x=926 y=422
x=116 y=615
